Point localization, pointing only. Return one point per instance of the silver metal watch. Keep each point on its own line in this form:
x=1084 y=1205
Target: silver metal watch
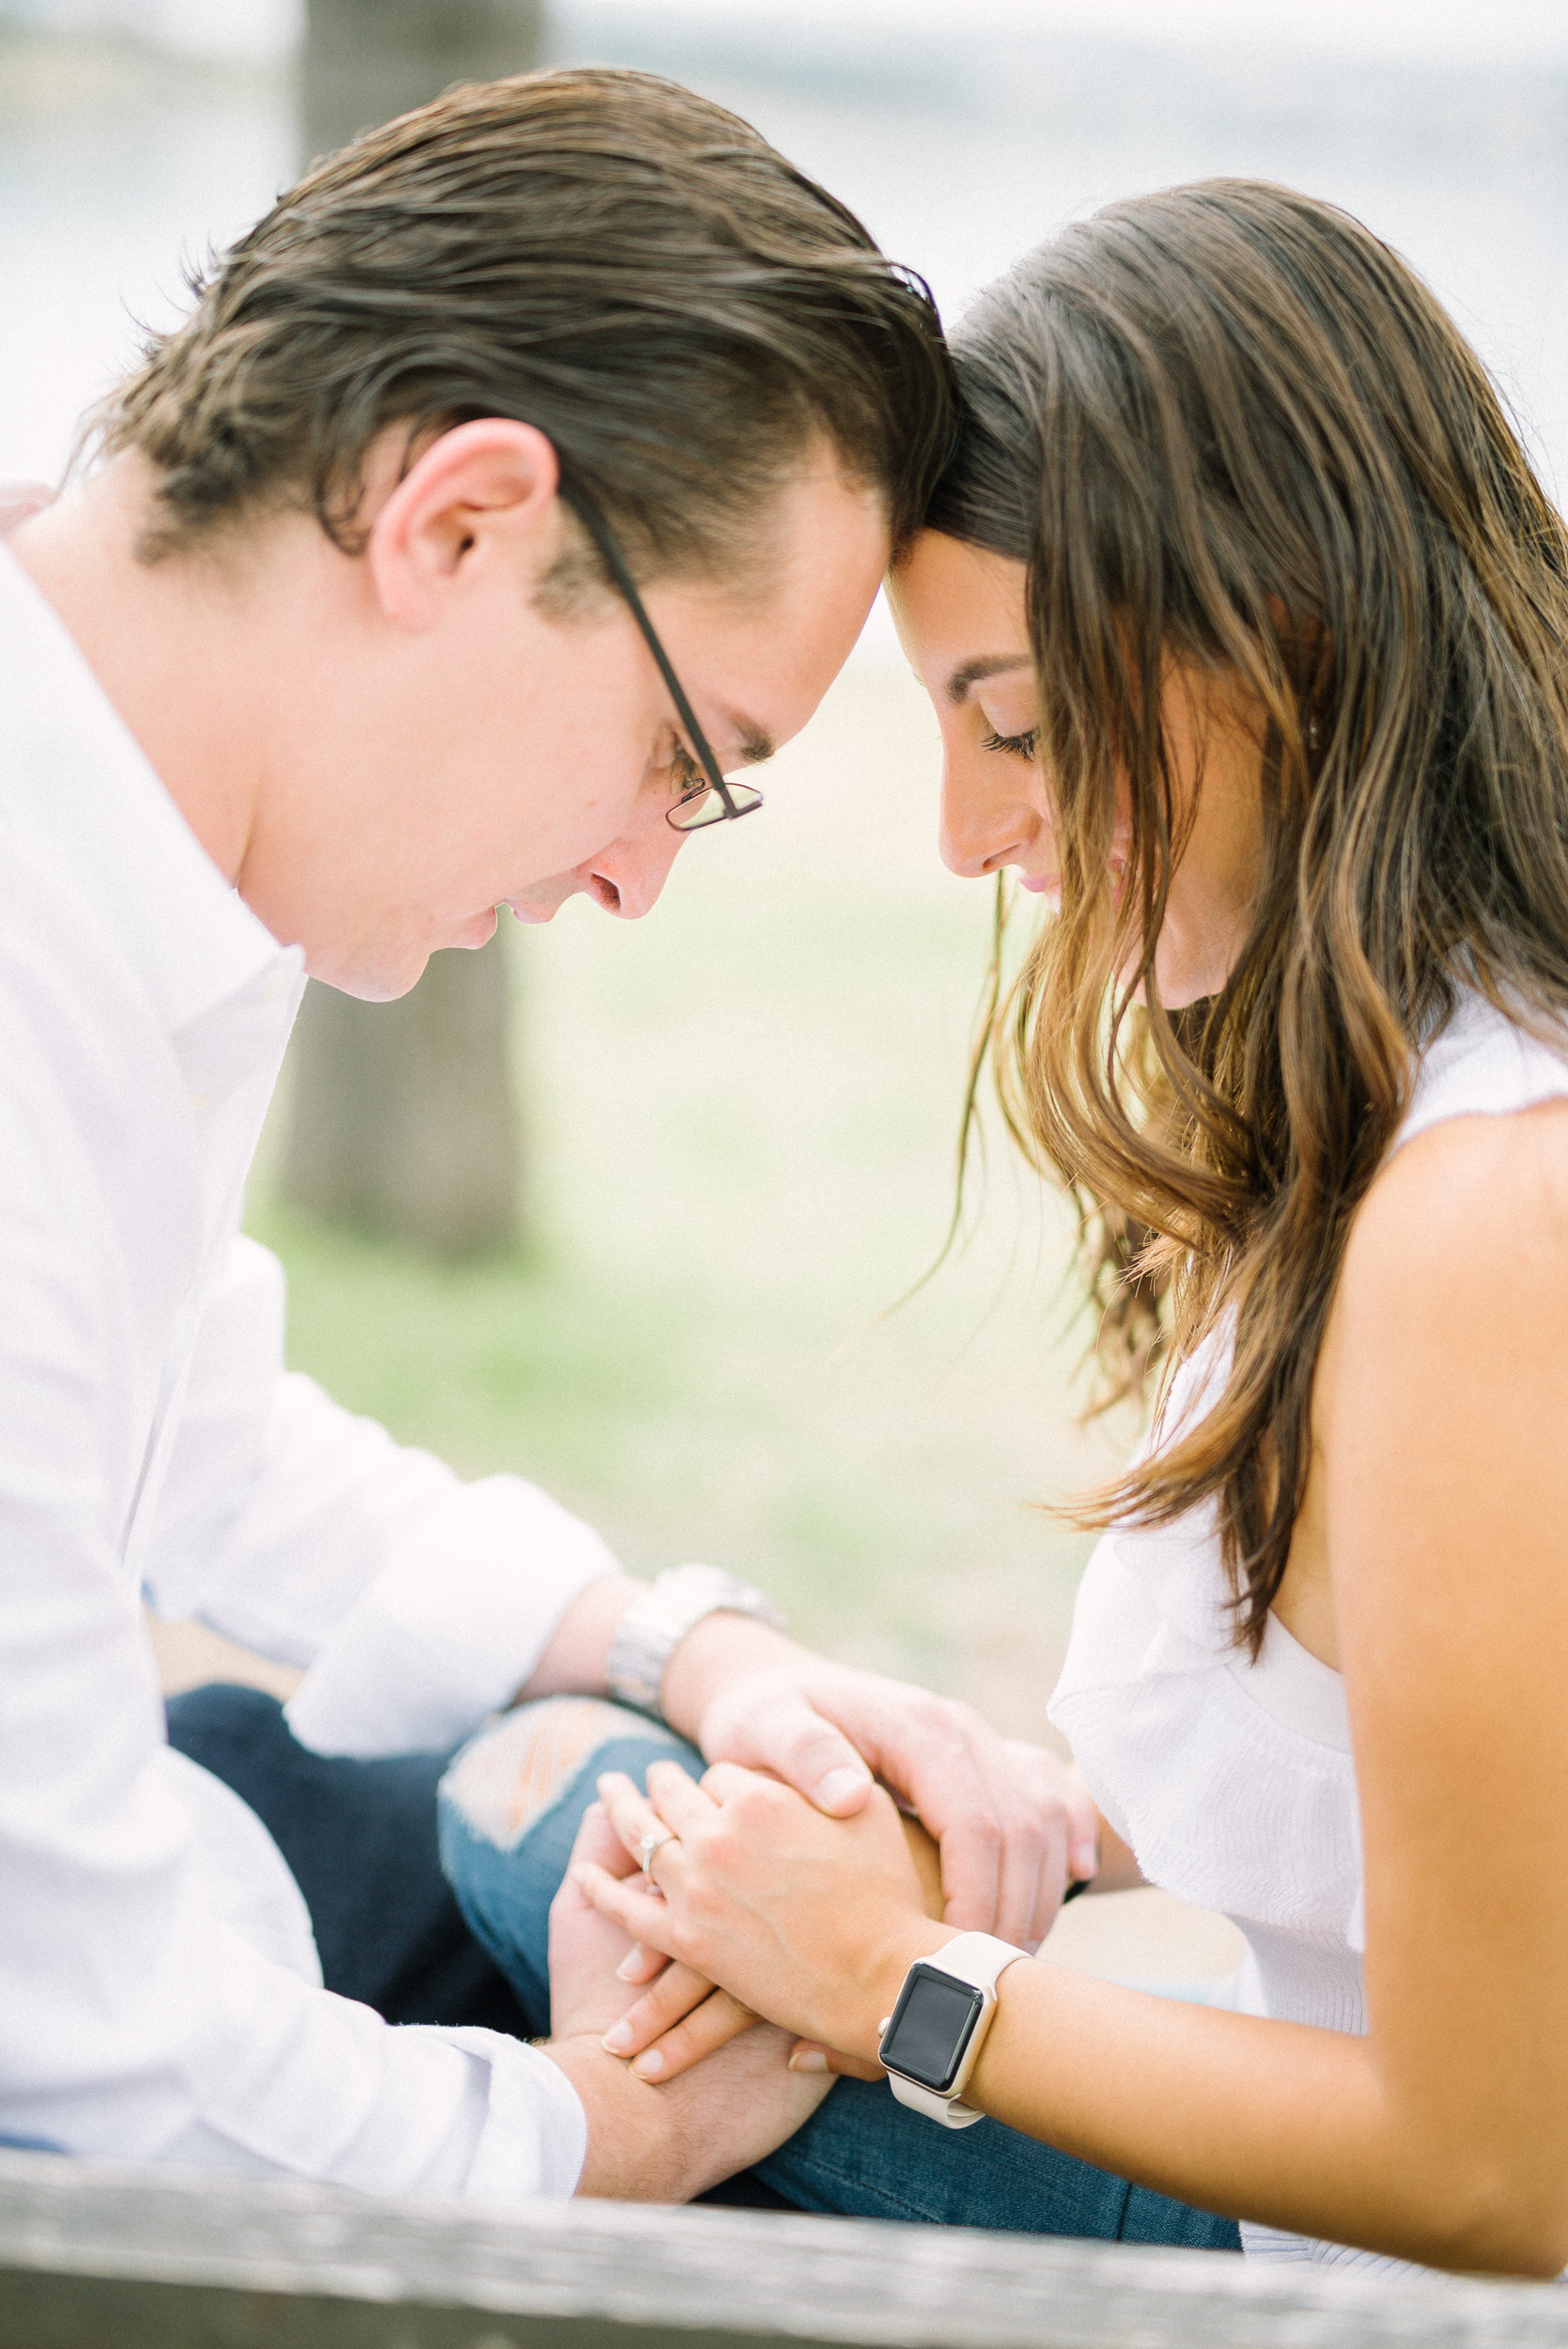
x=655 y=1624
x=931 y=2040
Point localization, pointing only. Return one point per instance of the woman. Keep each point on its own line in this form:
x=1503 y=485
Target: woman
x=1246 y=623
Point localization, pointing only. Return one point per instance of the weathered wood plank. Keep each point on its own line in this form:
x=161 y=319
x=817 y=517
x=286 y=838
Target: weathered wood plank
x=99 y=2258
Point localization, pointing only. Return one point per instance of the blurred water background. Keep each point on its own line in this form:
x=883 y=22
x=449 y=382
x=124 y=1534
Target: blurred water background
x=740 y=1113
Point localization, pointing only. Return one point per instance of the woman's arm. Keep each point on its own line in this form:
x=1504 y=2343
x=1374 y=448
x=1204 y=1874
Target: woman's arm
x=1442 y=1489
x=680 y=2019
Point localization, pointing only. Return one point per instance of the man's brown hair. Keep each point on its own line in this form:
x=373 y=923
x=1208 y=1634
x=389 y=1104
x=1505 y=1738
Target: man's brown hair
x=601 y=254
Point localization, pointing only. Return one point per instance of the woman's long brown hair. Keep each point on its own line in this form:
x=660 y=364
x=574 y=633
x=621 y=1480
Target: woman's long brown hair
x=1225 y=427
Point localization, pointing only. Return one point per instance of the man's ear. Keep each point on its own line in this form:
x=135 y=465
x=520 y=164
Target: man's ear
x=481 y=493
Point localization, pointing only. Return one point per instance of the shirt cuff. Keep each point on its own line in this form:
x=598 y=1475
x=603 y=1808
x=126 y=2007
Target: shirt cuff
x=535 y=2140
x=453 y=1625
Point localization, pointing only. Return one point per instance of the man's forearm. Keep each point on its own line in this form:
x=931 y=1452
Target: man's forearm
x=718 y=1649
x=574 y=1658
x=633 y=2140
x=670 y=2142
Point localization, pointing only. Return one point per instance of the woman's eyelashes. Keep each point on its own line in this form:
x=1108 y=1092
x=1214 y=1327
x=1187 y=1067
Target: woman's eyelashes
x=1020 y=745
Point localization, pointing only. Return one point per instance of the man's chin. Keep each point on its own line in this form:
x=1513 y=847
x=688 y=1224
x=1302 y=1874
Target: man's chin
x=379 y=971
x=377 y=975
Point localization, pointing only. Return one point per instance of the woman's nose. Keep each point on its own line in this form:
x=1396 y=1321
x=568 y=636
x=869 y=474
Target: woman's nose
x=978 y=830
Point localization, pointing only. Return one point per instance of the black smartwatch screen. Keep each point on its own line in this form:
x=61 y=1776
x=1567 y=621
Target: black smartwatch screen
x=931 y=2027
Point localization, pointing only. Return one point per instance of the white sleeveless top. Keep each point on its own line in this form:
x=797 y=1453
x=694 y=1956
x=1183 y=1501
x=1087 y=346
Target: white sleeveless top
x=1235 y=1782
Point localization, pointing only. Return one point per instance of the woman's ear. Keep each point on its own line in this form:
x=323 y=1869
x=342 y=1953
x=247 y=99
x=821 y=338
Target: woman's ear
x=1308 y=651
x=481 y=492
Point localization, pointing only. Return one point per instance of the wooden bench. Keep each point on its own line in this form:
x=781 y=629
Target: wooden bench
x=107 y=2258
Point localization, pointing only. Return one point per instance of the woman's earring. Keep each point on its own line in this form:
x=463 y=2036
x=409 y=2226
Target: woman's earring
x=1313 y=734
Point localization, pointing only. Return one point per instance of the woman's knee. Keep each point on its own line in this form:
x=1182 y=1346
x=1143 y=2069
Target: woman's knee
x=508 y=1809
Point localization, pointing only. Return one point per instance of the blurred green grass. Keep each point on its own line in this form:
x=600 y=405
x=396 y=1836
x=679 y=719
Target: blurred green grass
x=740 y=1117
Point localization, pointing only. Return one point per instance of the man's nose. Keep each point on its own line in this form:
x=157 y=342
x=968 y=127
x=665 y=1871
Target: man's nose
x=631 y=873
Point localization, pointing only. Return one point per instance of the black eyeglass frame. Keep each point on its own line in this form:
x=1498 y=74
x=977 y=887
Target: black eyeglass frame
x=616 y=563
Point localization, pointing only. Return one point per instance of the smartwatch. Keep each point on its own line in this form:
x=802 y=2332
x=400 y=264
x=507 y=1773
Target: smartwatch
x=932 y=2038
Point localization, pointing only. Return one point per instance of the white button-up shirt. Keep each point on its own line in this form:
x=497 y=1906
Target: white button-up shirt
x=160 y=1993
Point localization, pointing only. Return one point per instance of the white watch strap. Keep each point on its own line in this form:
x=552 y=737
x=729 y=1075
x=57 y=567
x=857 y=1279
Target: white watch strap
x=951 y=2112
x=979 y=1959
x=655 y=1624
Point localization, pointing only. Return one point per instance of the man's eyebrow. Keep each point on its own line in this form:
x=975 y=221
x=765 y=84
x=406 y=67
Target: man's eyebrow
x=756 y=743
x=996 y=664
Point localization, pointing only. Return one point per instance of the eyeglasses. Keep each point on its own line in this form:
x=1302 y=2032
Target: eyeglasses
x=713 y=802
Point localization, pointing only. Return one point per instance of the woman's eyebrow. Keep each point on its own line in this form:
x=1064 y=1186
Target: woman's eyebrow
x=995 y=665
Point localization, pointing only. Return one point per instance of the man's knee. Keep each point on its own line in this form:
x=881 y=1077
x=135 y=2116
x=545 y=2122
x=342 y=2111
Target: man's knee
x=224 y=1719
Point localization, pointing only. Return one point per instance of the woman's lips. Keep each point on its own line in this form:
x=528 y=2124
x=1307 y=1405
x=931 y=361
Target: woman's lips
x=1049 y=884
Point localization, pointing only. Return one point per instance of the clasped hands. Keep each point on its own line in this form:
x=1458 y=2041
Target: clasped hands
x=765 y=1904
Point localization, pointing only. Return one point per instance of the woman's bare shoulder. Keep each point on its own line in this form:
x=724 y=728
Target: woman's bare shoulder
x=1447 y=1323
x=1473 y=1199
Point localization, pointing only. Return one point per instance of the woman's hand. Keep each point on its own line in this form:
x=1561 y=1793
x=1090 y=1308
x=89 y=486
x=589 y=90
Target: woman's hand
x=676 y=2023
x=683 y=2018
x=809 y=1920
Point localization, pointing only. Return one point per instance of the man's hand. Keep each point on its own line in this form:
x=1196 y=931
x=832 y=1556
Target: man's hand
x=649 y=2143
x=587 y=1995
x=595 y=1975
x=1013 y=1823
x=669 y=2144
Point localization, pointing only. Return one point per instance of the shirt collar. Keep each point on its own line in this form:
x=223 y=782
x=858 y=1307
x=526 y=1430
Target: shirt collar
x=77 y=787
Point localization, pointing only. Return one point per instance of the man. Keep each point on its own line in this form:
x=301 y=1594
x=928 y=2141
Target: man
x=526 y=449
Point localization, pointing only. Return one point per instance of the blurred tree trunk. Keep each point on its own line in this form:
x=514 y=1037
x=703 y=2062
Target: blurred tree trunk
x=365 y=60
x=403 y=1113
x=403 y=1119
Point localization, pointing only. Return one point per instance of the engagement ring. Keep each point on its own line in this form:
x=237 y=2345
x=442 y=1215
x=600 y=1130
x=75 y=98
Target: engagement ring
x=645 y=1849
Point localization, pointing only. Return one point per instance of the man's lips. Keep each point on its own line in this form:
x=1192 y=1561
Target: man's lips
x=544 y=899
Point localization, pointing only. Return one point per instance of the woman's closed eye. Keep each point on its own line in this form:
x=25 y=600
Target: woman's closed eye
x=1020 y=745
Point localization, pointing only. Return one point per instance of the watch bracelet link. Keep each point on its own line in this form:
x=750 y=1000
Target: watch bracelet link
x=655 y=1624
